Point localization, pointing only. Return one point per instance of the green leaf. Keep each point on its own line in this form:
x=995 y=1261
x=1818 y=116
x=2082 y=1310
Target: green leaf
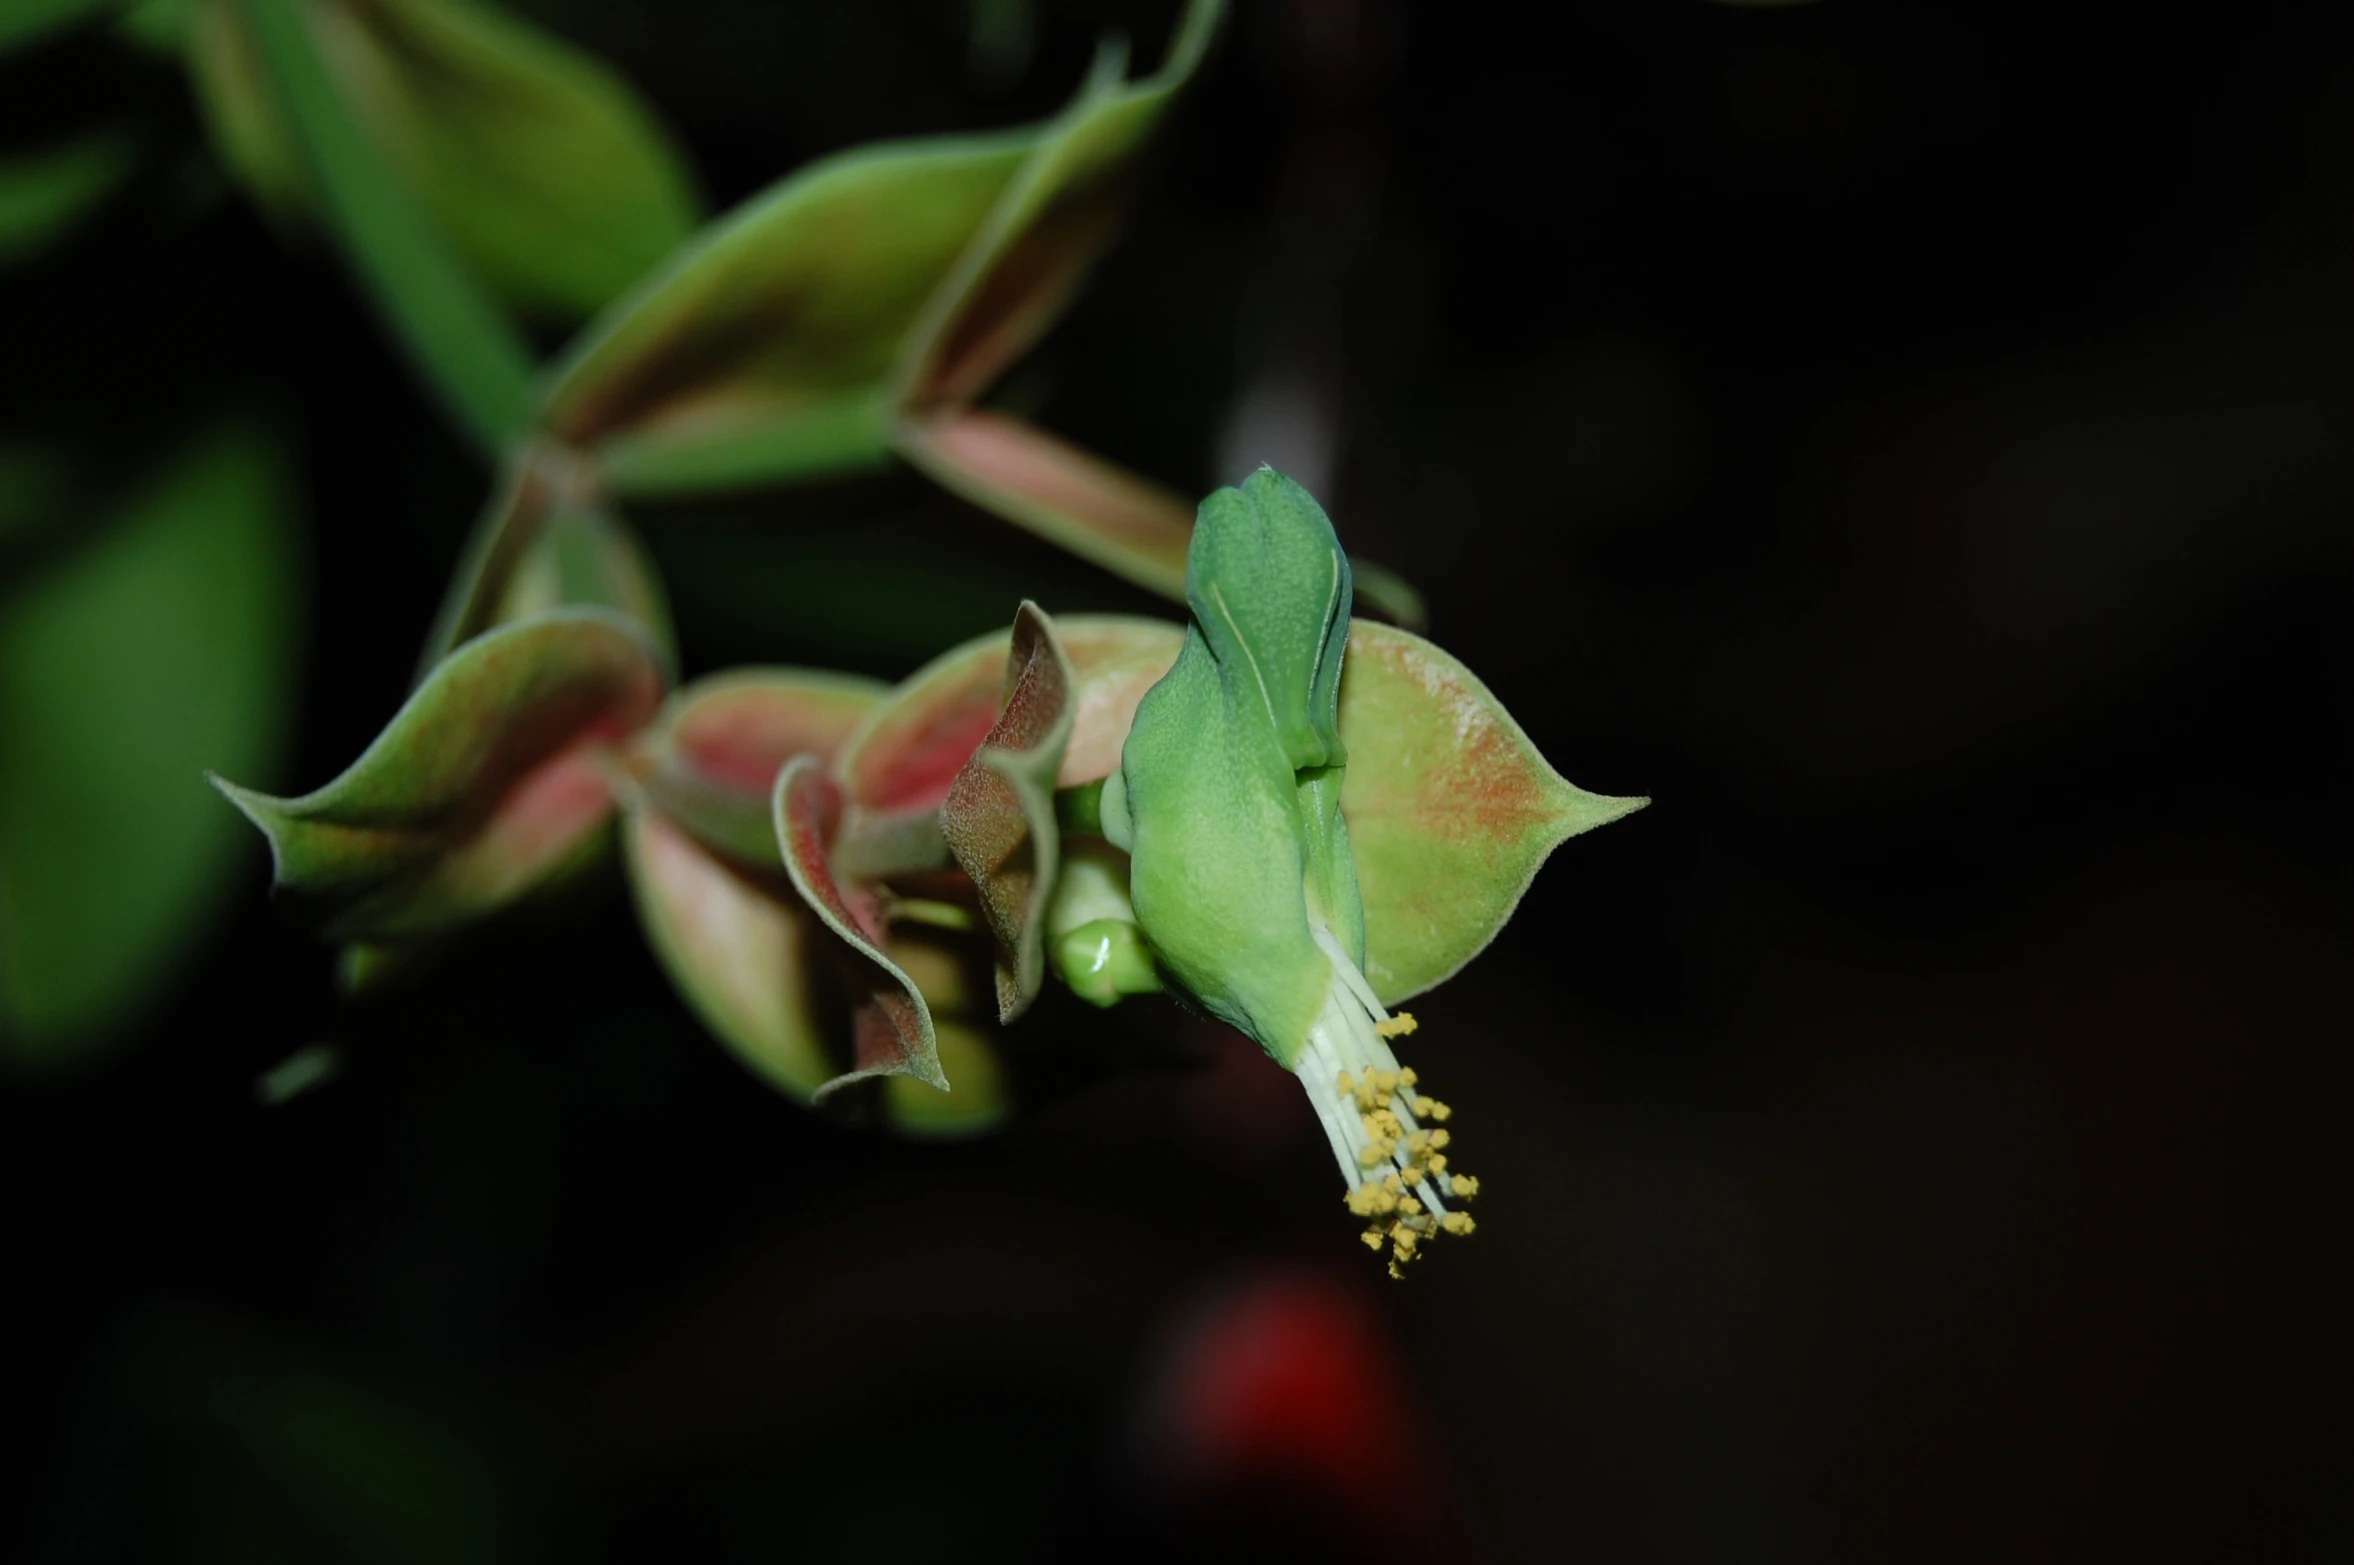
x=24 y=23
x=547 y=541
x=163 y=645
x=44 y=195
x=489 y=780
x=998 y=817
x=468 y=352
x=550 y=175
x=892 y=1032
x=543 y=169
x=1450 y=809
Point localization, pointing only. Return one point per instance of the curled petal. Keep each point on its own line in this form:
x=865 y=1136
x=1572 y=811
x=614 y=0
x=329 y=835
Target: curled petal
x=892 y=1026
x=999 y=813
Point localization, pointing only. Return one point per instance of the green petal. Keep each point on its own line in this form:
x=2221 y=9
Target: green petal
x=486 y=783
x=1270 y=589
x=1217 y=855
x=1450 y=809
x=998 y=817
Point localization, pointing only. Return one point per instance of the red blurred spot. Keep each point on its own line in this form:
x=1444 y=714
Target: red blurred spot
x=1290 y=1383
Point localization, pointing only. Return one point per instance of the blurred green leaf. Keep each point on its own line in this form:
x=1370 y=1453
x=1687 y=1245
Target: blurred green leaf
x=544 y=169
x=469 y=353
x=34 y=489
x=1451 y=810
x=162 y=646
x=26 y=22
x=286 y=1455
x=486 y=783
x=44 y=194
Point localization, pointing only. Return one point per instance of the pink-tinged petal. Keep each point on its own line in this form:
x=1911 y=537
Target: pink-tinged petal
x=903 y=759
x=999 y=815
x=486 y=783
x=1128 y=525
x=1451 y=810
x=740 y=728
x=891 y=1026
x=906 y=755
x=711 y=759
x=740 y=948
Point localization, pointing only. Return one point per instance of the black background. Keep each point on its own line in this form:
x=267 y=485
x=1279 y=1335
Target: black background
x=1912 y=448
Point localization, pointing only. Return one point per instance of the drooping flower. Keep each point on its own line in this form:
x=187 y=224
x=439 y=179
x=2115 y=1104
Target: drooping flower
x=1235 y=802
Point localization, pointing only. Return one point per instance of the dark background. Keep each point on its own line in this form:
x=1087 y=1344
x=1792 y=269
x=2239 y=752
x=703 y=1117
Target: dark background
x=1911 y=448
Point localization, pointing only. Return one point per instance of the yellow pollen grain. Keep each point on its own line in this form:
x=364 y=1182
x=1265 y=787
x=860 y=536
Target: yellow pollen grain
x=1411 y=1174
x=1454 y=1223
x=1439 y=1138
x=1463 y=1187
x=1436 y=1162
x=1401 y=1025
x=1409 y=1208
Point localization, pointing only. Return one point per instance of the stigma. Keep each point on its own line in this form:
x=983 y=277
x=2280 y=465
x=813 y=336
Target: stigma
x=1389 y=1137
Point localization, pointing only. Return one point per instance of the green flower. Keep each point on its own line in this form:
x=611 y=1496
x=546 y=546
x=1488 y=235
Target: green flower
x=1237 y=803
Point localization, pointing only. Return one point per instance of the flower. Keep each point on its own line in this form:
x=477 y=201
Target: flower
x=1242 y=874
